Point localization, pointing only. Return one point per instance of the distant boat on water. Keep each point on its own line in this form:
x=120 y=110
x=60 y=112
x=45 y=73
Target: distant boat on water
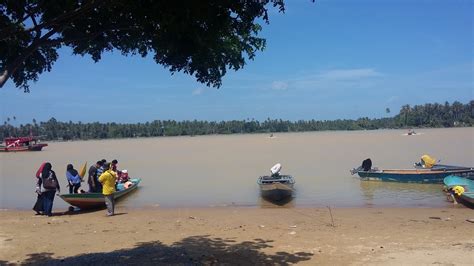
x=30 y=143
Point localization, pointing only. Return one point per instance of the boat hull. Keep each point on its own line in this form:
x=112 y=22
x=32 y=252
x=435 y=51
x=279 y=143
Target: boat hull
x=276 y=191
x=276 y=188
x=414 y=176
x=36 y=147
x=466 y=198
x=96 y=200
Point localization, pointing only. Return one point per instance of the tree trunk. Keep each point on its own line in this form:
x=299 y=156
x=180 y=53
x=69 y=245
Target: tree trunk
x=4 y=77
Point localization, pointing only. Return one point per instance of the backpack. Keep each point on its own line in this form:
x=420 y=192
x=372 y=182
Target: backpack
x=50 y=182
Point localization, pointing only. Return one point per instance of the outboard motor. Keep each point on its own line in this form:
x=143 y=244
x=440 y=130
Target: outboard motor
x=275 y=170
x=367 y=164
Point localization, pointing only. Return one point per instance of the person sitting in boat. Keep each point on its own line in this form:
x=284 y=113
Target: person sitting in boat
x=73 y=178
x=123 y=176
x=127 y=184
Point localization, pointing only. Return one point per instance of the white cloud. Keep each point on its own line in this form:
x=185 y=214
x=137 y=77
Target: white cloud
x=332 y=79
x=346 y=74
x=279 y=85
x=198 y=91
x=392 y=99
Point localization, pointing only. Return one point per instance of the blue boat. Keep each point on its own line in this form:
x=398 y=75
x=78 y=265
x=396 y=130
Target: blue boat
x=461 y=189
x=413 y=175
x=433 y=175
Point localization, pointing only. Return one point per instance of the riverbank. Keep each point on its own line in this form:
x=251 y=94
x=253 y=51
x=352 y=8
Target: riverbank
x=360 y=236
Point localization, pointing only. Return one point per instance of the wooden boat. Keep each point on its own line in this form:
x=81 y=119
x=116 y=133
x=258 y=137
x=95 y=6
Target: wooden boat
x=96 y=200
x=276 y=188
x=417 y=175
x=461 y=189
x=22 y=144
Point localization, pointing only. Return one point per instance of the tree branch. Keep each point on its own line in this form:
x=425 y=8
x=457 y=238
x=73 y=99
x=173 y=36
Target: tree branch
x=89 y=36
x=9 y=30
x=70 y=15
x=11 y=68
x=33 y=19
x=56 y=21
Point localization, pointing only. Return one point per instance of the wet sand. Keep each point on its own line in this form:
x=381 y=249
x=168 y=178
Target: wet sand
x=307 y=236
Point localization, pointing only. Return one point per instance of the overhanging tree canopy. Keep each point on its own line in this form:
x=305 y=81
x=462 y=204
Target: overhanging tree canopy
x=200 y=38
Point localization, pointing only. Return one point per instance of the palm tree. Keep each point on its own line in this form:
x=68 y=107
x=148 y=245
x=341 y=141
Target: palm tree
x=405 y=110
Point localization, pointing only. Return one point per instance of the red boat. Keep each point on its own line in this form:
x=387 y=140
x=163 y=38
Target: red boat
x=22 y=144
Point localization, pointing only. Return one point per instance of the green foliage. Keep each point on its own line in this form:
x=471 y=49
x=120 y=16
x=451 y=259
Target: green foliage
x=428 y=115
x=199 y=38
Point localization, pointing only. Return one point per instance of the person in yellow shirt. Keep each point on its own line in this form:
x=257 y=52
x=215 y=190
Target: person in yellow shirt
x=108 y=179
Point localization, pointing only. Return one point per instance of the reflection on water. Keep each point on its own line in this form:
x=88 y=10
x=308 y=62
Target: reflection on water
x=223 y=170
x=287 y=202
x=377 y=193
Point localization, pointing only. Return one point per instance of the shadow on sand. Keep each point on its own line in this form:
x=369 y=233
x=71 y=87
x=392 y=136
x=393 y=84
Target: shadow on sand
x=194 y=250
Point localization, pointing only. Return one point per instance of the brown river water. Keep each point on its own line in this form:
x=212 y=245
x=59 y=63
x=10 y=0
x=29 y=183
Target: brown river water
x=207 y=171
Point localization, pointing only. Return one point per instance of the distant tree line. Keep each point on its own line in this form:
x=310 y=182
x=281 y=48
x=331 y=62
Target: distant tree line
x=428 y=115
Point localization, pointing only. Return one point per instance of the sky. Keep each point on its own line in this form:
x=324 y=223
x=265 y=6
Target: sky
x=333 y=59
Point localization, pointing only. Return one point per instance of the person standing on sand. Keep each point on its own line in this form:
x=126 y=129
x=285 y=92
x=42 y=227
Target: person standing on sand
x=108 y=179
x=47 y=185
x=38 y=207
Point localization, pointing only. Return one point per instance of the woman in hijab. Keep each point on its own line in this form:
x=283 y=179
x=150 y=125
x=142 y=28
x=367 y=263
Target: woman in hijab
x=47 y=184
x=38 y=207
x=73 y=178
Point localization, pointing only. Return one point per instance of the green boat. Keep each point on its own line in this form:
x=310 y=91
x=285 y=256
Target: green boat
x=461 y=189
x=96 y=200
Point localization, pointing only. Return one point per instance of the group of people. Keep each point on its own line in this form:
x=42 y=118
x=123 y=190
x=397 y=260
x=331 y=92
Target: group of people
x=103 y=177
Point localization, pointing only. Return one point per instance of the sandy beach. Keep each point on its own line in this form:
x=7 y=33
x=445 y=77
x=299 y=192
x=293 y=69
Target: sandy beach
x=209 y=236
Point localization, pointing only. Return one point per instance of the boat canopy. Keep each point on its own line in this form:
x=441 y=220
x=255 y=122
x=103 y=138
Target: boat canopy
x=428 y=161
